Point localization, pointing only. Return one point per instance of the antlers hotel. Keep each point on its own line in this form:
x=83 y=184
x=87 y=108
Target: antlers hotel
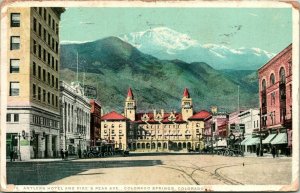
x=156 y=130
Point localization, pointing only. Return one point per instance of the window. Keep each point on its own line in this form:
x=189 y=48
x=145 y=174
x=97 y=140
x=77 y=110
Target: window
x=48 y=97
x=34 y=90
x=56 y=29
x=56 y=65
x=34 y=24
x=34 y=69
x=52 y=99
x=40 y=29
x=273 y=98
x=56 y=101
x=14 y=42
x=45 y=35
x=8 y=117
x=15 y=20
x=14 y=89
x=49 y=20
x=14 y=66
x=272 y=79
x=282 y=75
x=52 y=44
x=53 y=24
x=48 y=78
x=52 y=81
x=49 y=58
x=39 y=93
x=52 y=62
x=40 y=51
x=34 y=47
x=40 y=10
x=44 y=55
x=56 y=83
x=254 y=124
x=16 y=117
x=44 y=95
x=49 y=40
x=45 y=14
x=44 y=75
x=112 y=131
x=56 y=47
x=263 y=85
x=39 y=72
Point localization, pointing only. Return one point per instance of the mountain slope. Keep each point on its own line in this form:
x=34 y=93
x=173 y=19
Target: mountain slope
x=165 y=43
x=112 y=65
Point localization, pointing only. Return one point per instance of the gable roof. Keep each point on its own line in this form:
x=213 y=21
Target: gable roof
x=200 y=115
x=113 y=116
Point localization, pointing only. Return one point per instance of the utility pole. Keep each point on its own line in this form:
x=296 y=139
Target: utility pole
x=77 y=68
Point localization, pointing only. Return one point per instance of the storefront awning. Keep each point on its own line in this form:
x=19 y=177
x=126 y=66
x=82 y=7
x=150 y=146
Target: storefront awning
x=245 y=140
x=253 y=141
x=281 y=138
x=269 y=139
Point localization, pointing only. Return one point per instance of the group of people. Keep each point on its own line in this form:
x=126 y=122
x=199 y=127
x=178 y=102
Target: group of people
x=64 y=154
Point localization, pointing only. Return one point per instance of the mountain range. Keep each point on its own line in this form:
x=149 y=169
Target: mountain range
x=167 y=44
x=112 y=65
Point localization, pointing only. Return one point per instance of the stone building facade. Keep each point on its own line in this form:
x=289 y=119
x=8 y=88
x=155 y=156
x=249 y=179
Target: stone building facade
x=275 y=98
x=75 y=118
x=33 y=93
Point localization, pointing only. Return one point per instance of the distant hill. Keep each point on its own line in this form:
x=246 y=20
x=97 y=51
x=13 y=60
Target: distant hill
x=112 y=65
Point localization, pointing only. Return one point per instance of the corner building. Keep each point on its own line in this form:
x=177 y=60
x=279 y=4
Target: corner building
x=156 y=130
x=275 y=97
x=33 y=113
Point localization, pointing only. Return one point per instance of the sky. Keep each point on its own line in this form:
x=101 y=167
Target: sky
x=265 y=28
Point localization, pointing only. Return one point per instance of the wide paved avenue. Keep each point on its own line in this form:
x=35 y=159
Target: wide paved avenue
x=139 y=169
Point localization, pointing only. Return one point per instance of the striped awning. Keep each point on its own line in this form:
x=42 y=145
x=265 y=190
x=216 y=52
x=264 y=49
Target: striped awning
x=253 y=141
x=246 y=139
x=281 y=138
x=269 y=139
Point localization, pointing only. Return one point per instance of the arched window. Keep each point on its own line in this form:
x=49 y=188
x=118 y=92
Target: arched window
x=282 y=75
x=263 y=85
x=272 y=79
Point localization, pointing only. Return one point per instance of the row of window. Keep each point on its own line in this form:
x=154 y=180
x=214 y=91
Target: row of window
x=42 y=95
x=112 y=131
x=42 y=54
x=46 y=77
x=272 y=77
x=44 y=35
x=44 y=121
x=47 y=18
x=9 y=117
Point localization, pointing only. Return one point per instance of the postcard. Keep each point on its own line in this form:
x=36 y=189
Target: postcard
x=149 y=96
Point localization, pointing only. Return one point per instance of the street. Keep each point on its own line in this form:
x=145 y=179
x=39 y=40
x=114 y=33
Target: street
x=154 y=169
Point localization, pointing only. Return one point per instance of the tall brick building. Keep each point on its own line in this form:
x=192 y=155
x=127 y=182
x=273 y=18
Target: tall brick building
x=275 y=98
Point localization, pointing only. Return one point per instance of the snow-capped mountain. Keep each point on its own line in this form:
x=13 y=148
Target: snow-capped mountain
x=165 y=43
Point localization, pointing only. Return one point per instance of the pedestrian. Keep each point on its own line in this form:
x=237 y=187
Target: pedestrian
x=62 y=154
x=79 y=153
x=257 y=151
x=273 y=151
x=66 y=154
x=11 y=155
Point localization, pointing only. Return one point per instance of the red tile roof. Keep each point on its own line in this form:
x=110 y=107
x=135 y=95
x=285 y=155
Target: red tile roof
x=113 y=116
x=129 y=93
x=200 y=115
x=186 y=93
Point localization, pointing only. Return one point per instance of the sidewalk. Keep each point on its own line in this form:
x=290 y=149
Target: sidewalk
x=265 y=155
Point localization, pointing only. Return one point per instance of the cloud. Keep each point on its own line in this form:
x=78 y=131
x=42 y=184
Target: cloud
x=86 y=23
x=252 y=14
